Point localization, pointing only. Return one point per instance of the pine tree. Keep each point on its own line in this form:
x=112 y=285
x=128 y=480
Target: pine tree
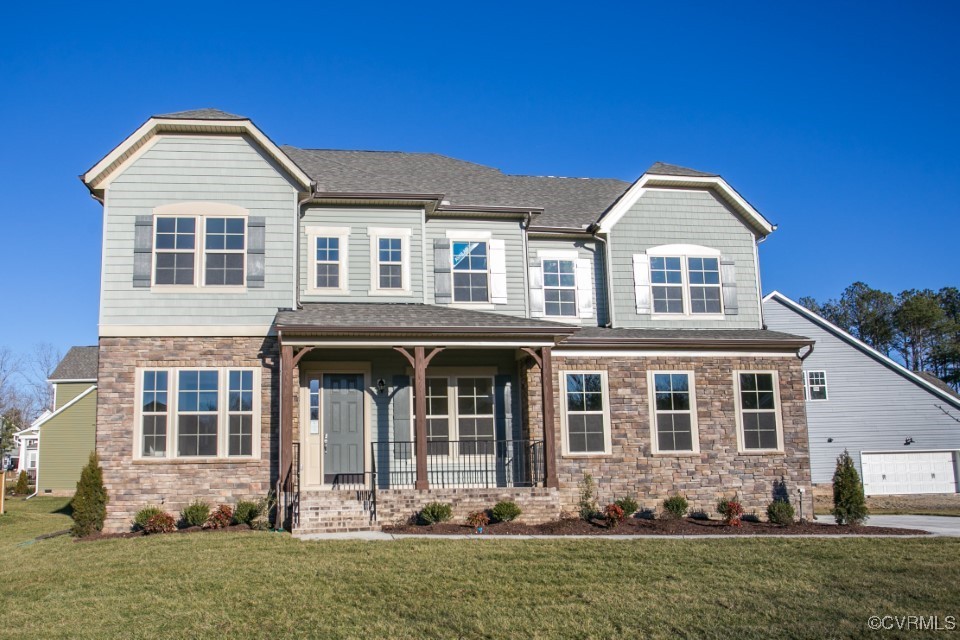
x=90 y=501
x=849 y=504
x=22 y=487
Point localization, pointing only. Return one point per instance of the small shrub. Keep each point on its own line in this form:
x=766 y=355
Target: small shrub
x=849 y=504
x=780 y=512
x=140 y=520
x=731 y=510
x=506 y=511
x=647 y=514
x=588 y=497
x=628 y=504
x=699 y=514
x=221 y=517
x=160 y=522
x=478 y=520
x=245 y=512
x=90 y=501
x=675 y=507
x=195 y=514
x=436 y=512
x=22 y=487
x=613 y=515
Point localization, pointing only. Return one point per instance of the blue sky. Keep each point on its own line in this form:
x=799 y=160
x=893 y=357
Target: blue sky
x=839 y=123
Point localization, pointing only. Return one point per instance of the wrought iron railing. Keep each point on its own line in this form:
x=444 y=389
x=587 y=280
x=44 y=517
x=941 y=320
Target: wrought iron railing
x=295 y=498
x=460 y=463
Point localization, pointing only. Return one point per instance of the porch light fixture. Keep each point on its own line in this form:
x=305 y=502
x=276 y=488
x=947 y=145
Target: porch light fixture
x=908 y=442
x=381 y=386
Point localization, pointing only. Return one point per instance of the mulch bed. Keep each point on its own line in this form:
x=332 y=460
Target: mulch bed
x=641 y=526
x=234 y=528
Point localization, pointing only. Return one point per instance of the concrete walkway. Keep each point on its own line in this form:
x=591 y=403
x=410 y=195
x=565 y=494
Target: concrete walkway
x=937 y=525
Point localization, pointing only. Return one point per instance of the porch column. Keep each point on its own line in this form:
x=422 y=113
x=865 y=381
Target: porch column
x=420 y=415
x=549 y=429
x=286 y=417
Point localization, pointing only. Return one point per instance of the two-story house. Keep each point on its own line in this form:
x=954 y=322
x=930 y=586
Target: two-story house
x=365 y=332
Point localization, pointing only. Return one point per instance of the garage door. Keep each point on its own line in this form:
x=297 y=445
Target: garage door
x=896 y=473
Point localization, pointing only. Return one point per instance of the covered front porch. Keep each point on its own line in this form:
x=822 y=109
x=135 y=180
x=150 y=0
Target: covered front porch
x=377 y=399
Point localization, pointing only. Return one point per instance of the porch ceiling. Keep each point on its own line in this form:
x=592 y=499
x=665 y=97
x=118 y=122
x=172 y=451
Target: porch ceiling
x=414 y=320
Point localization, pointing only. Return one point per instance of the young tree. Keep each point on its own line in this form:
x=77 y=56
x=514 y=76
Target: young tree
x=849 y=503
x=37 y=368
x=90 y=501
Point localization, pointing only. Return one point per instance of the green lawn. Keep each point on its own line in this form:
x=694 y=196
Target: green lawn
x=269 y=585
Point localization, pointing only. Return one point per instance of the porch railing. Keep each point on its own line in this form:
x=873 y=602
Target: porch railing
x=460 y=463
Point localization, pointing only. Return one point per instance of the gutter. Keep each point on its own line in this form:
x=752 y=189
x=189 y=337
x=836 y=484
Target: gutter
x=420 y=331
x=687 y=343
x=607 y=269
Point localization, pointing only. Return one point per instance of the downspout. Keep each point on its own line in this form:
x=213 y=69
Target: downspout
x=525 y=225
x=302 y=200
x=756 y=265
x=607 y=276
x=806 y=355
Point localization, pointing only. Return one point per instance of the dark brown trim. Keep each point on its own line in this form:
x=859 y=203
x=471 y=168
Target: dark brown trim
x=549 y=428
x=340 y=331
x=373 y=195
x=686 y=343
x=286 y=417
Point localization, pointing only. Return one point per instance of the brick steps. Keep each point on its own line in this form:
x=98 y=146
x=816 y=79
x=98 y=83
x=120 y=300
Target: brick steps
x=335 y=511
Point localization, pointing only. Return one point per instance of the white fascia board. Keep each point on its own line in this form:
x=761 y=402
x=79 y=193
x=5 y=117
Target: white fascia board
x=638 y=188
x=42 y=421
x=98 y=175
x=859 y=344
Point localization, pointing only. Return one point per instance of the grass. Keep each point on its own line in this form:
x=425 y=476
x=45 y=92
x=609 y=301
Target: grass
x=269 y=585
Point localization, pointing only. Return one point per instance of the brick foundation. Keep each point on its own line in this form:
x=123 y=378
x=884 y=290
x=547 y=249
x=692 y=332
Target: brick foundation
x=133 y=484
x=717 y=471
x=396 y=506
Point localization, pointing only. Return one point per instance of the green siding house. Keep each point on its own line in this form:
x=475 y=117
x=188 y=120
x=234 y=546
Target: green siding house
x=363 y=332
x=68 y=434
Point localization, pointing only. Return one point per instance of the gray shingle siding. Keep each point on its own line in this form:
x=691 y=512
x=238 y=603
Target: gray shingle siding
x=678 y=216
x=870 y=407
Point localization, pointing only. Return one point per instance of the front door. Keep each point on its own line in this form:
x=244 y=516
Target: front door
x=342 y=428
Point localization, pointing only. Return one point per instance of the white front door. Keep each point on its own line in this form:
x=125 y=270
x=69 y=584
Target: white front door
x=903 y=473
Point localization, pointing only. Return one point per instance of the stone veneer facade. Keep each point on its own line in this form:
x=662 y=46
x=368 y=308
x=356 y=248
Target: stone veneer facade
x=719 y=470
x=630 y=469
x=134 y=484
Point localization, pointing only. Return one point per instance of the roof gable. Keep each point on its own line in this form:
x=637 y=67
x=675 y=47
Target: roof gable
x=914 y=377
x=200 y=121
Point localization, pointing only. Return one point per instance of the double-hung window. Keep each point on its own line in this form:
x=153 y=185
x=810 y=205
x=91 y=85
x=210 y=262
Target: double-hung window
x=224 y=251
x=816 y=385
x=758 y=410
x=198 y=413
x=674 y=412
x=327 y=259
x=175 y=245
x=585 y=413
x=390 y=263
x=470 y=271
x=460 y=409
x=685 y=285
x=560 y=288
x=179 y=257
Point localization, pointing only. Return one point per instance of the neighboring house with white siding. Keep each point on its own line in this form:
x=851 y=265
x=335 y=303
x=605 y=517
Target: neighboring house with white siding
x=902 y=429
x=409 y=327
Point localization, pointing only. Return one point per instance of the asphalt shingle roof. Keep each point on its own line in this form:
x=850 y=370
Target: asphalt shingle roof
x=566 y=202
x=80 y=363
x=201 y=114
x=666 y=335
x=394 y=318
x=664 y=169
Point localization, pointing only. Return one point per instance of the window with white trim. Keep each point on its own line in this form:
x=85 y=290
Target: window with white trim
x=153 y=414
x=460 y=409
x=390 y=263
x=198 y=413
x=560 y=288
x=674 y=412
x=327 y=262
x=758 y=410
x=686 y=285
x=471 y=275
x=816 y=385
x=586 y=418
x=224 y=251
x=174 y=247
